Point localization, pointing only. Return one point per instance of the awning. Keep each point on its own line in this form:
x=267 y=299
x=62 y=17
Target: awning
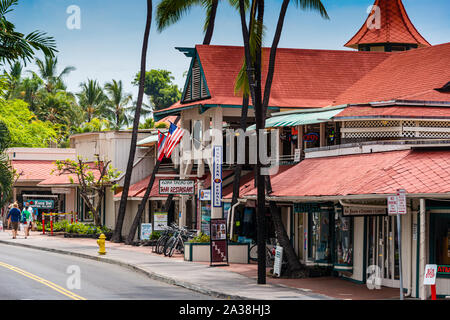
x=150 y=140
x=301 y=117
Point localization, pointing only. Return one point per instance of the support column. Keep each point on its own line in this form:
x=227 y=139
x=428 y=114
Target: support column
x=422 y=289
x=217 y=140
x=323 y=140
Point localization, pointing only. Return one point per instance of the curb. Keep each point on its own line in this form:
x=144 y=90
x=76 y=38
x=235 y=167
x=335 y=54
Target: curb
x=151 y=275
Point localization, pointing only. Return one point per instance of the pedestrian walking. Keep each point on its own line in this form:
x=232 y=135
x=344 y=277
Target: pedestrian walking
x=33 y=217
x=14 y=218
x=26 y=221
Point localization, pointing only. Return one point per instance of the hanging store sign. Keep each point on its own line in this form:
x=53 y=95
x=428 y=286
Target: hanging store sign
x=218 y=243
x=430 y=274
x=363 y=211
x=61 y=190
x=177 y=187
x=40 y=204
x=217 y=177
x=278 y=260
x=297 y=155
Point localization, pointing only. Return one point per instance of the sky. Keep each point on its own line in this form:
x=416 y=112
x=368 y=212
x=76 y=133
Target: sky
x=108 y=43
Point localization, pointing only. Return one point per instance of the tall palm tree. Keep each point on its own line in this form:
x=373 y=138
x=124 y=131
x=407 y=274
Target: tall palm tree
x=92 y=99
x=260 y=107
x=170 y=11
x=48 y=72
x=17 y=46
x=117 y=236
x=13 y=80
x=6 y=172
x=117 y=103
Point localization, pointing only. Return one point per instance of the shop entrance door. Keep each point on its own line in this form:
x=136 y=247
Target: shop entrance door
x=383 y=249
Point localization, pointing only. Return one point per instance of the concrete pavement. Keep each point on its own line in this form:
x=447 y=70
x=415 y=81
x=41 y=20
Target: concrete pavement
x=214 y=281
x=238 y=281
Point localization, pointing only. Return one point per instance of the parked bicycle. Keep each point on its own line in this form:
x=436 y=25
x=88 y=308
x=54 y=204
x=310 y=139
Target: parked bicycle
x=270 y=252
x=165 y=236
x=176 y=242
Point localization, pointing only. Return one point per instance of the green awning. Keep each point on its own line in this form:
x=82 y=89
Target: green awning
x=301 y=117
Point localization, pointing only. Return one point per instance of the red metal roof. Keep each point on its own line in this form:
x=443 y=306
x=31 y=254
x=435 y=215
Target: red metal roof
x=409 y=75
x=395 y=27
x=33 y=170
x=394 y=112
x=416 y=171
x=303 y=78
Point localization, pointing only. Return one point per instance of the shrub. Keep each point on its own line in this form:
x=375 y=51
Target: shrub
x=201 y=238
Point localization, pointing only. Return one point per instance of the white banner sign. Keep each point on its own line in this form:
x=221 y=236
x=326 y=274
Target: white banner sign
x=401 y=201
x=430 y=274
x=392 y=205
x=217 y=177
x=176 y=186
x=278 y=260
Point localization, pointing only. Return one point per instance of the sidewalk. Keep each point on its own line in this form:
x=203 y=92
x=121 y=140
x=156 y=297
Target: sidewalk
x=237 y=281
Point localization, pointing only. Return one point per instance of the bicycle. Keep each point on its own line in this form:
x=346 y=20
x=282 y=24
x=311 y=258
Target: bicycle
x=270 y=254
x=176 y=242
x=165 y=236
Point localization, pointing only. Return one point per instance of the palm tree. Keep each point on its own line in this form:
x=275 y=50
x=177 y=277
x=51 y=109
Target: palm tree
x=47 y=71
x=92 y=99
x=17 y=46
x=117 y=103
x=170 y=11
x=6 y=172
x=117 y=236
x=13 y=80
x=255 y=85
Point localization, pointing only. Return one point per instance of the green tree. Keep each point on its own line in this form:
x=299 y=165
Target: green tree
x=92 y=99
x=92 y=181
x=117 y=236
x=16 y=46
x=170 y=12
x=159 y=87
x=48 y=72
x=25 y=129
x=117 y=104
x=6 y=172
x=260 y=101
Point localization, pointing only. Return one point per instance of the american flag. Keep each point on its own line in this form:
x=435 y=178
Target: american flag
x=173 y=138
x=162 y=140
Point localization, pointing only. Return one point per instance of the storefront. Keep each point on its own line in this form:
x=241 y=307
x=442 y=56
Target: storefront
x=439 y=243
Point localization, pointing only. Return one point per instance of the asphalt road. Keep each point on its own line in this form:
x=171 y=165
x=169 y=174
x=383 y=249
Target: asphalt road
x=27 y=274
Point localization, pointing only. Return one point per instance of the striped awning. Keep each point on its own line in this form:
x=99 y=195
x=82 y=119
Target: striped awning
x=301 y=117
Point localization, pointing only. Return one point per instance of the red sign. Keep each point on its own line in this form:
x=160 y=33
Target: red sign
x=219 y=243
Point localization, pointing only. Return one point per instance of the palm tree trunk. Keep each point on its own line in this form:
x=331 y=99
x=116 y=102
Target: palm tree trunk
x=212 y=18
x=117 y=236
x=293 y=261
x=141 y=207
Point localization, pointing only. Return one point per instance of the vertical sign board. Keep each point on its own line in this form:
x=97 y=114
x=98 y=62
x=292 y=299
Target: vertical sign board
x=146 y=231
x=159 y=221
x=219 y=244
x=429 y=278
x=278 y=260
x=217 y=177
x=392 y=205
x=401 y=201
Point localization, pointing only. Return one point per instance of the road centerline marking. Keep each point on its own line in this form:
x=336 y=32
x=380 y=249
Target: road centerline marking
x=48 y=283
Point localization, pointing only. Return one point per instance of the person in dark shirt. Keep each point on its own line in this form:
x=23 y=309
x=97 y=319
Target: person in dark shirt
x=14 y=217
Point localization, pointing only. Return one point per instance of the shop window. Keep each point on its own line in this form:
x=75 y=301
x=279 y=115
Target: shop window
x=319 y=234
x=344 y=240
x=441 y=238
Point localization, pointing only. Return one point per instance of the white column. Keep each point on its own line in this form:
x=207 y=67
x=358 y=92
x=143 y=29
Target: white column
x=422 y=289
x=217 y=124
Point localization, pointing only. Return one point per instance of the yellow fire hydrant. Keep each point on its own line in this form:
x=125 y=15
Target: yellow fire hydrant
x=101 y=244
